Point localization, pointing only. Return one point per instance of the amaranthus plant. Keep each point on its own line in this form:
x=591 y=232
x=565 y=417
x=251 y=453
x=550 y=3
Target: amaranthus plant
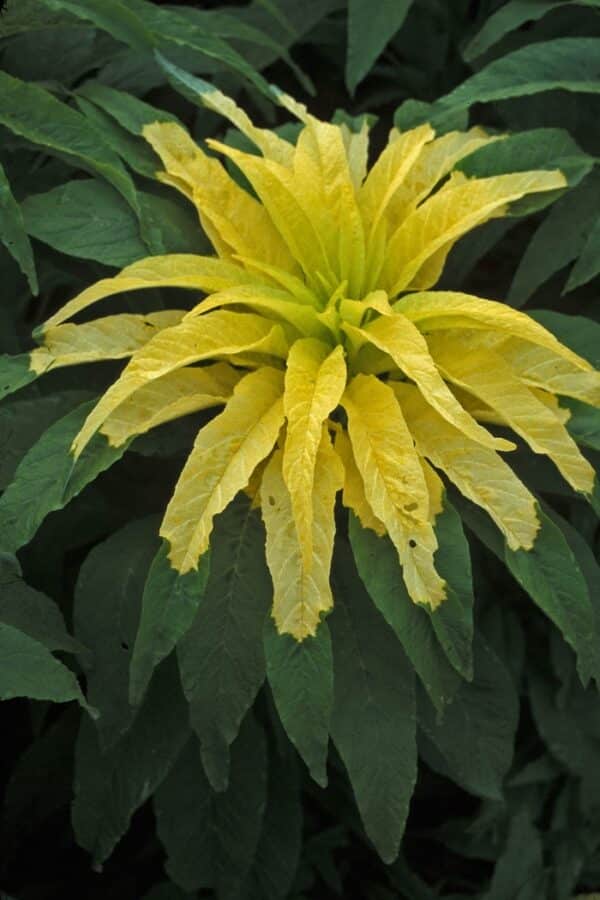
x=338 y=367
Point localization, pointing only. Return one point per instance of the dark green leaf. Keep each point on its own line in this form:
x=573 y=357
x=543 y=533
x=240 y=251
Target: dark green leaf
x=110 y=787
x=108 y=597
x=111 y=15
x=301 y=677
x=370 y=28
x=28 y=669
x=48 y=477
x=221 y=657
x=578 y=332
x=13 y=234
x=211 y=838
x=519 y=873
x=373 y=719
x=588 y=264
x=472 y=740
x=15 y=373
x=584 y=424
x=134 y=150
x=130 y=112
x=507 y=18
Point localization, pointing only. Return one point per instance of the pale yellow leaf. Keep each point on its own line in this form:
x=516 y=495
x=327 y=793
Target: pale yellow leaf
x=224 y=456
x=300 y=594
x=315 y=379
x=357 y=151
x=201 y=273
x=543 y=368
x=405 y=345
x=218 y=334
x=112 y=337
x=353 y=496
x=478 y=472
x=176 y=394
x=455 y=209
x=486 y=375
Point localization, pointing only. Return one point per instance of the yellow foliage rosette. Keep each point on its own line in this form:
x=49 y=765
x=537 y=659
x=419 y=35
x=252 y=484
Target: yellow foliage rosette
x=337 y=366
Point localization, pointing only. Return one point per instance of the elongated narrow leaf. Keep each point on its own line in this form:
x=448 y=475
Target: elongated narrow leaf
x=370 y=28
x=211 y=839
x=221 y=657
x=28 y=669
x=506 y=19
x=13 y=234
x=108 y=597
x=48 y=477
x=111 y=15
x=588 y=264
x=373 y=720
x=130 y=112
x=300 y=674
x=472 y=741
x=110 y=787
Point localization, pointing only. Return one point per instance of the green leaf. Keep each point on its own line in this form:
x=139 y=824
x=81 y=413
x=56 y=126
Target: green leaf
x=568 y=63
x=15 y=373
x=519 y=872
x=373 y=719
x=13 y=234
x=110 y=787
x=588 y=264
x=370 y=28
x=188 y=85
x=508 y=18
x=168 y=607
x=559 y=240
x=578 y=332
x=108 y=597
x=221 y=658
x=48 y=477
x=111 y=15
x=32 y=612
x=584 y=424
x=471 y=741
x=211 y=838
x=133 y=150
x=131 y=113
x=28 y=669
x=300 y=675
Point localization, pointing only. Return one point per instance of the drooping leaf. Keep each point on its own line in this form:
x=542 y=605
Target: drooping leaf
x=13 y=234
x=108 y=596
x=211 y=838
x=48 y=478
x=221 y=657
x=369 y=30
x=373 y=718
x=472 y=741
x=110 y=787
x=504 y=20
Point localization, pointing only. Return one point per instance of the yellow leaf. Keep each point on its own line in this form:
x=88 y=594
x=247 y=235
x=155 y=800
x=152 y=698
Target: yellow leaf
x=225 y=454
x=486 y=375
x=478 y=472
x=353 y=496
x=394 y=482
x=201 y=273
x=357 y=151
x=455 y=209
x=176 y=394
x=543 y=368
x=314 y=383
x=301 y=594
x=112 y=337
x=405 y=345
x=435 y=310
x=220 y=333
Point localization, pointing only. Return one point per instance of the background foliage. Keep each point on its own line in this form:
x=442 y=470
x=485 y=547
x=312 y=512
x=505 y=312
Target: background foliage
x=106 y=792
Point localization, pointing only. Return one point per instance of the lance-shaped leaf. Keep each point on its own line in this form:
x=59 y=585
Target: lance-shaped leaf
x=369 y=30
x=315 y=379
x=221 y=463
x=301 y=591
x=13 y=234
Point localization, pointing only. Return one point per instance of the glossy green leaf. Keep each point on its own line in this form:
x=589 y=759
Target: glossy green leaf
x=108 y=597
x=300 y=675
x=110 y=787
x=13 y=234
x=221 y=657
x=48 y=478
x=373 y=719
x=370 y=28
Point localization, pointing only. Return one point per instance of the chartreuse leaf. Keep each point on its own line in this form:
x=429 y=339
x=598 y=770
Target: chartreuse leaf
x=169 y=603
x=370 y=28
x=221 y=657
x=48 y=477
x=110 y=787
x=472 y=740
x=28 y=669
x=568 y=63
x=373 y=718
x=108 y=597
x=13 y=234
x=211 y=838
x=300 y=674
x=30 y=611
